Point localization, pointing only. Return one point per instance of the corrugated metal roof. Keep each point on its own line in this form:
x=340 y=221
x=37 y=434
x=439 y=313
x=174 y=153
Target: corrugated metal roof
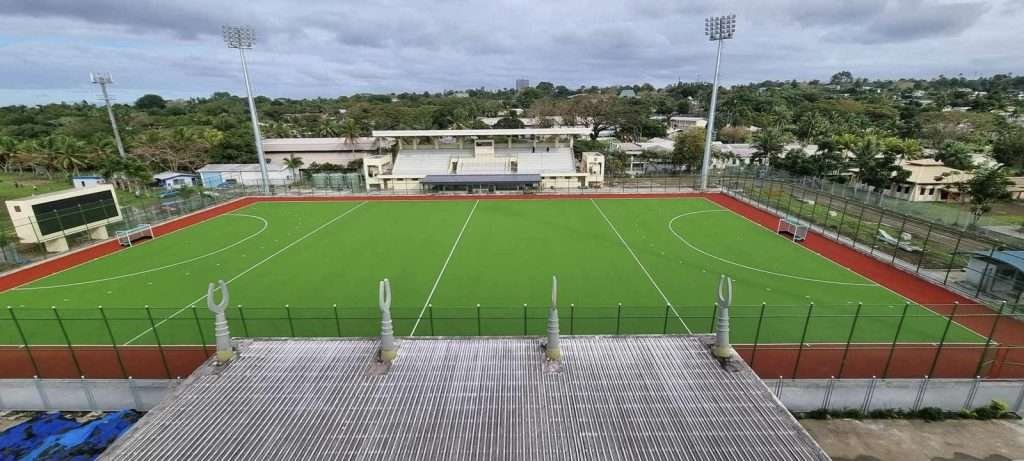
x=639 y=397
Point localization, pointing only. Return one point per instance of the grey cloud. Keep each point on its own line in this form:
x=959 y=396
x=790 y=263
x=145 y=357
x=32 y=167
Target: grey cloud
x=183 y=20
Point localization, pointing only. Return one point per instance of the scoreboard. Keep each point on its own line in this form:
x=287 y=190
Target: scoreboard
x=72 y=212
x=50 y=218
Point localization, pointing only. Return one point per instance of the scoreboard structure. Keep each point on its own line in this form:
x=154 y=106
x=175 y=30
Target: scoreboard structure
x=50 y=218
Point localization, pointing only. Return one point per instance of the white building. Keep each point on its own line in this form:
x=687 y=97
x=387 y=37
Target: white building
x=245 y=174
x=681 y=122
x=497 y=159
x=336 y=151
x=172 y=180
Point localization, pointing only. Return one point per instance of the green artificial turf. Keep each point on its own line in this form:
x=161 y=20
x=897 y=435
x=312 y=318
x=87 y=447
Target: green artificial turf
x=312 y=268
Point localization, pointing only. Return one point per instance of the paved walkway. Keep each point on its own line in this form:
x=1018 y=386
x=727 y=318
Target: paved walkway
x=914 y=440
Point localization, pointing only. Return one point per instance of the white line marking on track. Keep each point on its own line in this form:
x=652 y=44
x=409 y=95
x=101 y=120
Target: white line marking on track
x=254 y=266
x=107 y=279
x=443 y=268
x=637 y=259
x=734 y=263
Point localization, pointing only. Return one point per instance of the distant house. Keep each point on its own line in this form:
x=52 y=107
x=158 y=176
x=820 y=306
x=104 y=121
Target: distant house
x=627 y=93
x=87 y=181
x=245 y=174
x=929 y=181
x=171 y=180
x=681 y=122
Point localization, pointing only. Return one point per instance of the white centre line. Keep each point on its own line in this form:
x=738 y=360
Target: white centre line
x=250 y=269
x=445 y=266
x=642 y=267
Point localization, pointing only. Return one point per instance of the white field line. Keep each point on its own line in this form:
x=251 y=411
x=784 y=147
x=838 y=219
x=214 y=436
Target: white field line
x=254 y=266
x=764 y=271
x=444 y=267
x=642 y=267
x=107 y=279
x=890 y=290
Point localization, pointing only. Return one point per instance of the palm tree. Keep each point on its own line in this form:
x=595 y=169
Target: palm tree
x=327 y=128
x=769 y=143
x=293 y=163
x=8 y=151
x=351 y=131
x=68 y=155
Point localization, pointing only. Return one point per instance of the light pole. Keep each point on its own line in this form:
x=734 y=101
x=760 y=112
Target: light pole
x=103 y=79
x=718 y=29
x=242 y=38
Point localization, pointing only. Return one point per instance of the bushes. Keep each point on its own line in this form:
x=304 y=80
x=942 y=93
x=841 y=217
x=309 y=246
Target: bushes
x=994 y=410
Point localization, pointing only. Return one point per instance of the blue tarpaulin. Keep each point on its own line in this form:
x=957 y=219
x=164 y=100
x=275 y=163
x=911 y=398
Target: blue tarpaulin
x=53 y=436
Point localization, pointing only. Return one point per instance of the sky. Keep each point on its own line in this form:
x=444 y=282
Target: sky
x=331 y=48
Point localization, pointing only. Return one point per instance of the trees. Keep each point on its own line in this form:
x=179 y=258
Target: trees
x=293 y=163
x=594 y=111
x=8 y=152
x=769 y=143
x=688 y=149
x=956 y=155
x=351 y=130
x=987 y=186
x=150 y=101
x=877 y=167
x=509 y=123
x=1008 y=148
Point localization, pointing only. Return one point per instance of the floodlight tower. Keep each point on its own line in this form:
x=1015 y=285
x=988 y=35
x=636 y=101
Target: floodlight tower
x=103 y=79
x=242 y=38
x=718 y=29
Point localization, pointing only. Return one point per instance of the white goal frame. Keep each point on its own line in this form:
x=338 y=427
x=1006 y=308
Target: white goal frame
x=126 y=237
x=795 y=228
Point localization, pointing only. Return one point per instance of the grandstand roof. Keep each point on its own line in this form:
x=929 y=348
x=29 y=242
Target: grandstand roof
x=471 y=179
x=637 y=397
x=481 y=132
x=558 y=161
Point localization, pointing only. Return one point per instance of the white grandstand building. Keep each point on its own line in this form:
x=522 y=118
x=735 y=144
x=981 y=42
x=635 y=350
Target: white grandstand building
x=488 y=160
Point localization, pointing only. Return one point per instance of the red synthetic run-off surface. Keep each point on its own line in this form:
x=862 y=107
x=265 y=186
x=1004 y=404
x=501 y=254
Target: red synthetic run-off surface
x=1002 y=359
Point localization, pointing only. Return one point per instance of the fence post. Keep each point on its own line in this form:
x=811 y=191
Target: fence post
x=842 y=218
x=869 y=395
x=921 y=391
x=524 y=320
x=860 y=222
x=67 y=340
x=757 y=335
x=942 y=341
x=924 y=248
x=337 y=319
x=291 y=324
x=618 y=320
x=895 y=339
x=981 y=279
x=988 y=340
x=430 y=313
x=803 y=337
x=113 y=342
x=881 y=217
x=199 y=329
x=899 y=238
x=714 y=315
x=952 y=257
x=24 y=341
x=572 y=319
x=664 y=326
x=159 y=345
x=849 y=339
x=245 y=326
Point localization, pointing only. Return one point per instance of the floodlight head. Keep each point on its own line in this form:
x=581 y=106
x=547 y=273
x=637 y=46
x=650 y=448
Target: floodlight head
x=241 y=37
x=101 y=78
x=720 y=27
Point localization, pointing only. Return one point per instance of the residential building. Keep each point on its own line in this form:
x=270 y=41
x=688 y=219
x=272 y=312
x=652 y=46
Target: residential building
x=1017 y=188
x=172 y=180
x=681 y=122
x=522 y=84
x=929 y=181
x=81 y=181
x=244 y=174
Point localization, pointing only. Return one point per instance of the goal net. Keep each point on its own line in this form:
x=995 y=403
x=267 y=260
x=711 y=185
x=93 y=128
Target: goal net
x=793 y=227
x=126 y=237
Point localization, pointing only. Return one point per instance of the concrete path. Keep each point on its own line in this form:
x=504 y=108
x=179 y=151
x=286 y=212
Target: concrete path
x=914 y=440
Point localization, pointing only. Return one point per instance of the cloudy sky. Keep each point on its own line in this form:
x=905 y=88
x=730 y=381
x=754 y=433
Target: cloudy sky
x=330 y=48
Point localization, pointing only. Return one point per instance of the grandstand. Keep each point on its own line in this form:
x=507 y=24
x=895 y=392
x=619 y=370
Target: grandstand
x=492 y=160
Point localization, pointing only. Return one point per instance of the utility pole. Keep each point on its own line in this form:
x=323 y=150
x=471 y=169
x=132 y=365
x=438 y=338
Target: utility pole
x=103 y=79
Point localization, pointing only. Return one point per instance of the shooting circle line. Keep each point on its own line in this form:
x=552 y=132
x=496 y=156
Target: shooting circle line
x=734 y=263
x=147 y=271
